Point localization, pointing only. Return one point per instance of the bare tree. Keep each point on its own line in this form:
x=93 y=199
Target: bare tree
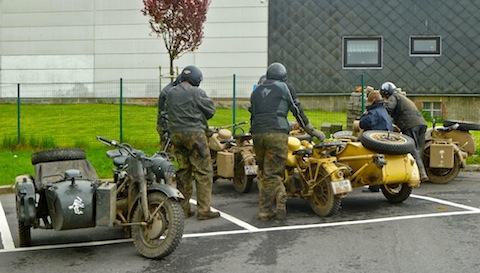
x=179 y=23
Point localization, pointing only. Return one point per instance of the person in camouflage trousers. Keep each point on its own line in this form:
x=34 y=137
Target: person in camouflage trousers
x=271 y=156
x=270 y=103
x=194 y=164
x=188 y=109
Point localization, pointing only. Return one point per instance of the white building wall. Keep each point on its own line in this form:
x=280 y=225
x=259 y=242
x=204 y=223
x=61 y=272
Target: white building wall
x=68 y=41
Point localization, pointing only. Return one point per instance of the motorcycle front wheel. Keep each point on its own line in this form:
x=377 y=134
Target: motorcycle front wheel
x=160 y=236
x=322 y=200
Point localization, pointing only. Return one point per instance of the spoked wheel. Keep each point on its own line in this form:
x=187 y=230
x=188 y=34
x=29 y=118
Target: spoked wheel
x=323 y=201
x=387 y=142
x=161 y=235
x=24 y=234
x=440 y=175
x=396 y=193
x=241 y=181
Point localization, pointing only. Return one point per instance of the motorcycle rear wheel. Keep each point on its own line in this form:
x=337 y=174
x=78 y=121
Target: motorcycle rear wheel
x=160 y=237
x=440 y=175
x=323 y=202
x=241 y=182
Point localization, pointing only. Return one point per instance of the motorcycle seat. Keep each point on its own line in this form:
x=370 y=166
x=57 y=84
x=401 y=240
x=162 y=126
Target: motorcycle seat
x=119 y=161
x=306 y=137
x=303 y=152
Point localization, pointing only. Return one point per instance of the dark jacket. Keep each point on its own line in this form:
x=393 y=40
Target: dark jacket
x=376 y=118
x=270 y=103
x=404 y=112
x=188 y=108
x=162 y=117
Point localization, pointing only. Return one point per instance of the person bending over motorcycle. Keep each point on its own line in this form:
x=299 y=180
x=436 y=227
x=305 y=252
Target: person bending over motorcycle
x=375 y=118
x=270 y=103
x=189 y=108
x=408 y=118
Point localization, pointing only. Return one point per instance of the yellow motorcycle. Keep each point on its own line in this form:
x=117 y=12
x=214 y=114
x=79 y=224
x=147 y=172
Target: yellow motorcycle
x=324 y=173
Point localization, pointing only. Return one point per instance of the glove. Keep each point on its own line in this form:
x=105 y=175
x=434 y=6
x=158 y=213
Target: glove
x=314 y=132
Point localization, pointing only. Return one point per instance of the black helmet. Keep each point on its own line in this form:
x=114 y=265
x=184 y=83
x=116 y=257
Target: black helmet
x=276 y=71
x=177 y=80
x=191 y=74
x=387 y=89
x=262 y=79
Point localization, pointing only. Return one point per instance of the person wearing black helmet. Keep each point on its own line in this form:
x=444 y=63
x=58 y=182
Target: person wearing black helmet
x=162 y=116
x=408 y=118
x=270 y=103
x=189 y=108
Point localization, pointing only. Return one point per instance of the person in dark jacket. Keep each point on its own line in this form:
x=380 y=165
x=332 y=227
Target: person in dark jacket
x=375 y=118
x=408 y=118
x=270 y=103
x=189 y=108
x=162 y=116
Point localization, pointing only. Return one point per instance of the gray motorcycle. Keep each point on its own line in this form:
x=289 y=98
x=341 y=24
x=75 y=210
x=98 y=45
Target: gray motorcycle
x=67 y=194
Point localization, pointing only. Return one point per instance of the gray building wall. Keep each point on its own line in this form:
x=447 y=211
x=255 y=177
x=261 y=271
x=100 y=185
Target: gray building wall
x=306 y=35
x=94 y=41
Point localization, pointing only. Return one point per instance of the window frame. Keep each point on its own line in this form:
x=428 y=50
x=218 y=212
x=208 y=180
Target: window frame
x=419 y=53
x=346 y=65
x=431 y=109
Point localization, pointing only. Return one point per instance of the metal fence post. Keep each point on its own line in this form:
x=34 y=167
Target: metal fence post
x=363 y=93
x=18 y=113
x=234 y=105
x=121 y=110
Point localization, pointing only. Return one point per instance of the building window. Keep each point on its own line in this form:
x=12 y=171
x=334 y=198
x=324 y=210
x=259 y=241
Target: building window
x=421 y=46
x=362 y=52
x=432 y=109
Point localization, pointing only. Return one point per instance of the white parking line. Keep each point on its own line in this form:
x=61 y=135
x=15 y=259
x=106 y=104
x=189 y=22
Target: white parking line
x=7 y=239
x=247 y=228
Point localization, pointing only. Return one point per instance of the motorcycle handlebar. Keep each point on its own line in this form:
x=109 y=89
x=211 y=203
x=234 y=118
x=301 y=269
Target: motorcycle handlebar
x=231 y=125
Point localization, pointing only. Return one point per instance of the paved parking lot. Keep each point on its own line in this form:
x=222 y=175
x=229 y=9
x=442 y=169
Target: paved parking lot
x=434 y=229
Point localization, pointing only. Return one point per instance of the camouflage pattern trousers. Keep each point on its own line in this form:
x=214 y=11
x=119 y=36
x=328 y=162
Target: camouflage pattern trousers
x=194 y=164
x=271 y=150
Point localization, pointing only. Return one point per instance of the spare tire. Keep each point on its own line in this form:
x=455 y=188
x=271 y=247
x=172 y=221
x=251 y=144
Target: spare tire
x=387 y=142
x=463 y=125
x=58 y=155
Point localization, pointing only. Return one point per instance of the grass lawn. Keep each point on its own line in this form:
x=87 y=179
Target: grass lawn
x=76 y=125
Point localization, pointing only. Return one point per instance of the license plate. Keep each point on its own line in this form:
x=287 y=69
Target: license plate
x=251 y=170
x=341 y=186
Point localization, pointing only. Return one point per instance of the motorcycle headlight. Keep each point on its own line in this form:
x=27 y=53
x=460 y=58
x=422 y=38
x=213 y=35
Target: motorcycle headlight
x=163 y=168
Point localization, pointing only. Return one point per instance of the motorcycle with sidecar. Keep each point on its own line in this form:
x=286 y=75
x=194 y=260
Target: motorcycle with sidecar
x=233 y=156
x=66 y=194
x=325 y=172
x=447 y=148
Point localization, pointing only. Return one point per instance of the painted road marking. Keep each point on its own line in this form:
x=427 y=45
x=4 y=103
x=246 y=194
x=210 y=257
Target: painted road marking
x=247 y=228
x=7 y=239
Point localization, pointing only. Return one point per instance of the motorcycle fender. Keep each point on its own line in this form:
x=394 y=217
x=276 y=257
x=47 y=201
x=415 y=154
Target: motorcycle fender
x=25 y=199
x=169 y=191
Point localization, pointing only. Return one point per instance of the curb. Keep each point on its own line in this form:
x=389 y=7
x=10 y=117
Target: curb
x=6 y=189
x=472 y=168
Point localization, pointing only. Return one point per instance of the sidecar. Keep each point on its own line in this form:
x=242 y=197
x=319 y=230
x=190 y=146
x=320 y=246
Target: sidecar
x=65 y=194
x=380 y=158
